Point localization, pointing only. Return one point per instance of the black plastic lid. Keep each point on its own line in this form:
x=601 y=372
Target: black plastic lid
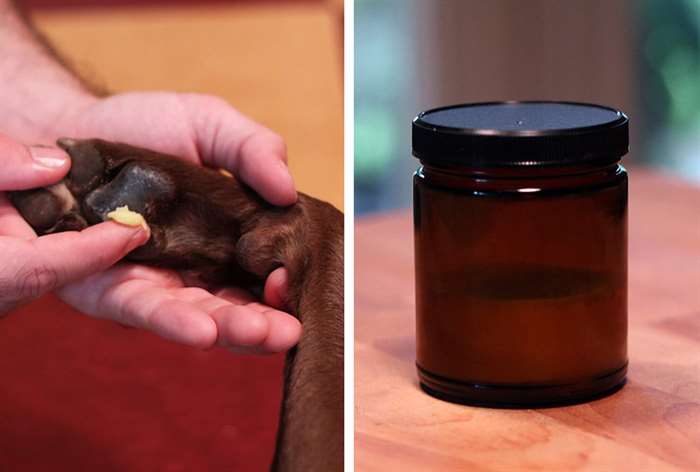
x=504 y=134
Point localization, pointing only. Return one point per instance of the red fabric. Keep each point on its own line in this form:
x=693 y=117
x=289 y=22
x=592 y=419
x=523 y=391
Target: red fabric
x=84 y=394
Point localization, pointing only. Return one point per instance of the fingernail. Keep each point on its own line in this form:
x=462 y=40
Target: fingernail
x=49 y=157
x=138 y=238
x=283 y=165
x=288 y=173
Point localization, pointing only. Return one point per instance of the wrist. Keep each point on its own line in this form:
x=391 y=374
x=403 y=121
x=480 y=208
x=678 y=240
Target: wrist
x=43 y=110
x=39 y=96
x=62 y=117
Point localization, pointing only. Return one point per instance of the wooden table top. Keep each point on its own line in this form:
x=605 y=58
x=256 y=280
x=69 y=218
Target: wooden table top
x=653 y=424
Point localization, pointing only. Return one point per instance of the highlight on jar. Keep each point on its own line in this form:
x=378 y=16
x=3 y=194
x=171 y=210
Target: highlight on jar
x=527 y=195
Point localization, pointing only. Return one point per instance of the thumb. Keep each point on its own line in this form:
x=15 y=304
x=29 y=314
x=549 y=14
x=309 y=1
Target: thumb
x=54 y=260
x=230 y=140
x=26 y=167
x=276 y=288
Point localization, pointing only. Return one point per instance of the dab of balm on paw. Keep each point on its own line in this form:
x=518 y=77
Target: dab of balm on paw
x=123 y=215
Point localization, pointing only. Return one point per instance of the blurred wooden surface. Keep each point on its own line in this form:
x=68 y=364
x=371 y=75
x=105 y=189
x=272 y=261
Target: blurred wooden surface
x=653 y=424
x=281 y=64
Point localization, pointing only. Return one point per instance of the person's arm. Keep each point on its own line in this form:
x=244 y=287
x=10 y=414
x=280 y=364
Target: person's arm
x=41 y=100
x=38 y=90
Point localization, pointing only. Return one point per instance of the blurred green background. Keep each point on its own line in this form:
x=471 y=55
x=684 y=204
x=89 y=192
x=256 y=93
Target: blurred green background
x=640 y=56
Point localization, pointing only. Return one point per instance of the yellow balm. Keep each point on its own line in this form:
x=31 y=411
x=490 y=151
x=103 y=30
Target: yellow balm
x=124 y=216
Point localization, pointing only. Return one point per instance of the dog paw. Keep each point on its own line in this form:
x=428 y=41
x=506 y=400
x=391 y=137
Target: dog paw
x=194 y=213
x=49 y=210
x=103 y=176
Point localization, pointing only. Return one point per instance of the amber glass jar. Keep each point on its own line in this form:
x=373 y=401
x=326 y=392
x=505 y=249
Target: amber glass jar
x=520 y=215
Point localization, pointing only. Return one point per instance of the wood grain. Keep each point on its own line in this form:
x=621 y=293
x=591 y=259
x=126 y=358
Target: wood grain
x=653 y=424
x=280 y=64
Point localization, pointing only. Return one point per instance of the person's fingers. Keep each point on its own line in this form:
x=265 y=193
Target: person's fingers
x=276 y=286
x=11 y=223
x=281 y=339
x=261 y=166
x=226 y=138
x=235 y=295
x=284 y=333
x=89 y=293
x=150 y=299
x=239 y=325
x=245 y=329
x=145 y=305
x=283 y=330
x=145 y=298
x=180 y=322
x=30 y=167
x=43 y=264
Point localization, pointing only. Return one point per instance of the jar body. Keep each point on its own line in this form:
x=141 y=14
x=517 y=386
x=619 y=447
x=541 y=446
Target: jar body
x=521 y=283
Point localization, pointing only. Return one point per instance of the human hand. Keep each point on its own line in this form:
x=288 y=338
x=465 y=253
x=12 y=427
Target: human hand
x=208 y=131
x=204 y=130
x=42 y=100
x=200 y=128
x=157 y=300
x=33 y=266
